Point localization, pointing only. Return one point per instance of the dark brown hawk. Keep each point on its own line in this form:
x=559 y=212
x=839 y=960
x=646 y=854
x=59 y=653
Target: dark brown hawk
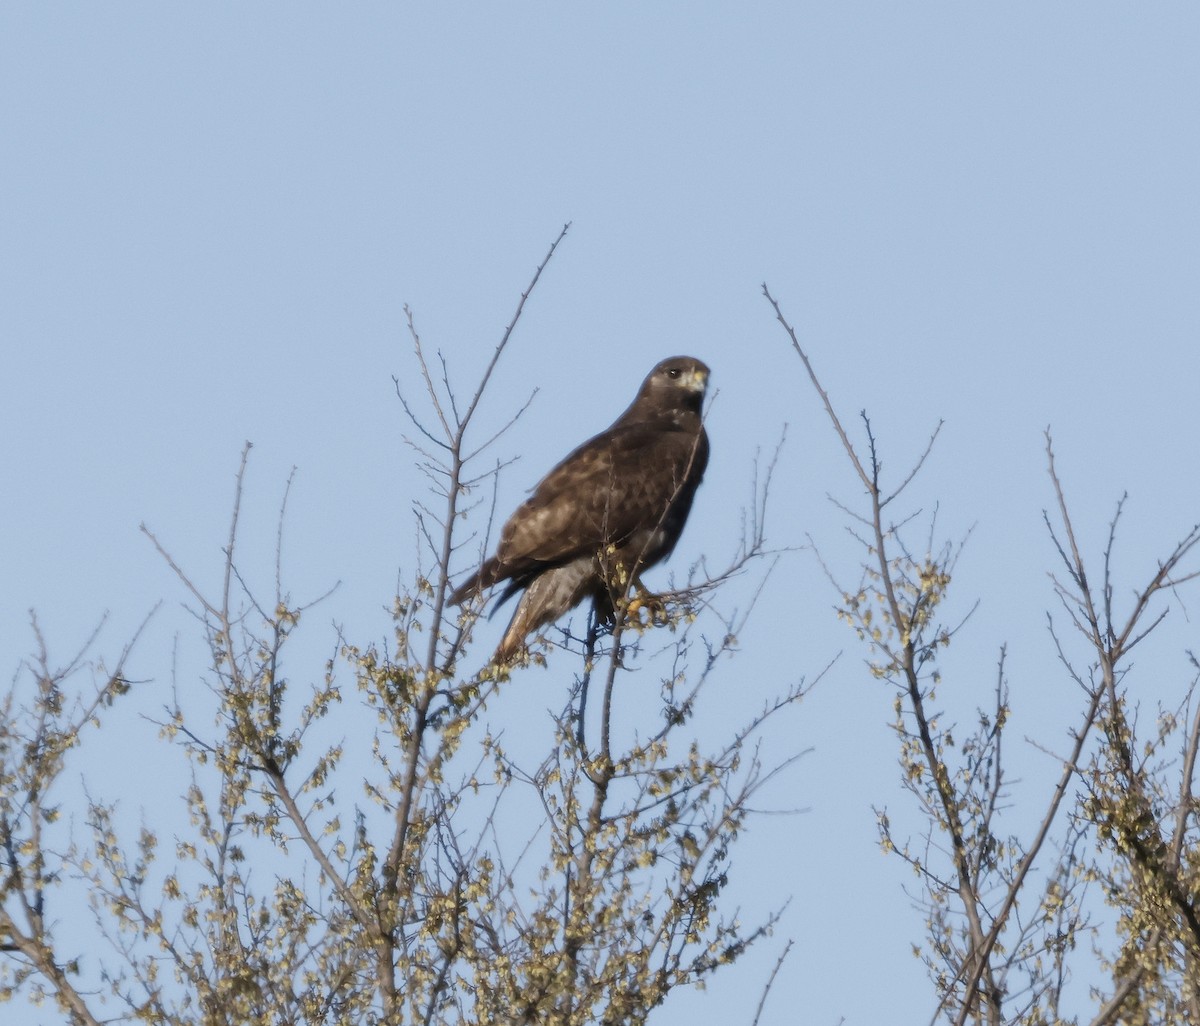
x=612 y=509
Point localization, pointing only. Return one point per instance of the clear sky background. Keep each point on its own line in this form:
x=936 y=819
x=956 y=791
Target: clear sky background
x=211 y=217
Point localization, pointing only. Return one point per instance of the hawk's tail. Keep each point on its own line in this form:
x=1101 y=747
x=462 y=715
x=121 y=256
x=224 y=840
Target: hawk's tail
x=546 y=597
x=529 y=615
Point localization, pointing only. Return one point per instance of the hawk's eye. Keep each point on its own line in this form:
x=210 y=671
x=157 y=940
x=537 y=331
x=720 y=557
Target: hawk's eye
x=673 y=372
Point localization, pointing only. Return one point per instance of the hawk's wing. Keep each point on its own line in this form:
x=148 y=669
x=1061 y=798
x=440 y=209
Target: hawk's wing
x=619 y=484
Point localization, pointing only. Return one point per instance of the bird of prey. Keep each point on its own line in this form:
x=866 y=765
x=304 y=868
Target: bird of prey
x=609 y=511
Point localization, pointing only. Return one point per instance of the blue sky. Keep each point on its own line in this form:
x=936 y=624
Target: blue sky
x=212 y=216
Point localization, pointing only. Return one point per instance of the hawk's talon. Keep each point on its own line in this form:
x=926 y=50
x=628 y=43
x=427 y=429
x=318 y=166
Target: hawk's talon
x=653 y=605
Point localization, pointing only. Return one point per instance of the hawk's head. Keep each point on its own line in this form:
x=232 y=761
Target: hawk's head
x=676 y=384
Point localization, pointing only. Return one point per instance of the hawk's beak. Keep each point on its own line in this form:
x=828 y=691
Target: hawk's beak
x=696 y=381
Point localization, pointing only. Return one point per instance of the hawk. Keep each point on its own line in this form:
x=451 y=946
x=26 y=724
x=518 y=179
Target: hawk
x=609 y=511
